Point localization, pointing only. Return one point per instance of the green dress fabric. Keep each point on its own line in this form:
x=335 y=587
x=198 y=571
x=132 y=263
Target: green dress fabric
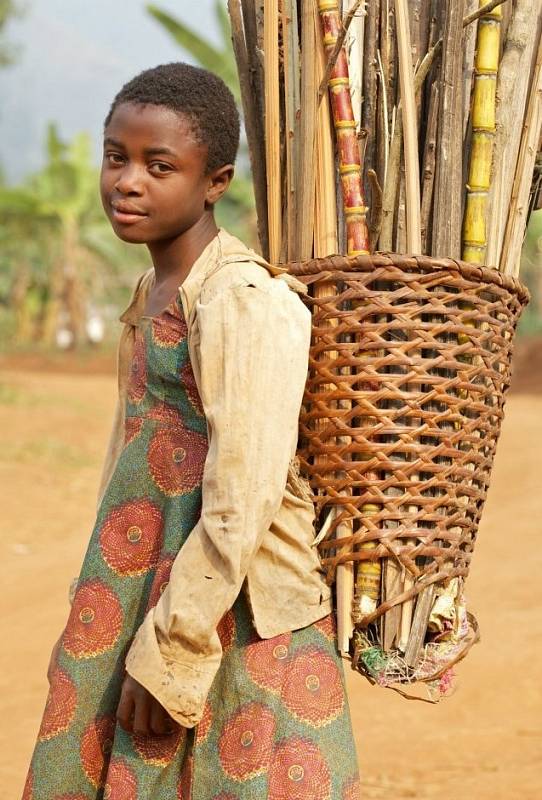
x=276 y=722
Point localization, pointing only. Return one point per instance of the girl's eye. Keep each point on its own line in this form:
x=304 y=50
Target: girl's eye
x=161 y=167
x=112 y=157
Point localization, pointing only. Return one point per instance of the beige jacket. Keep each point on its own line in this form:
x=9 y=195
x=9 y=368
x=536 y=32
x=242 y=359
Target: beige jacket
x=248 y=339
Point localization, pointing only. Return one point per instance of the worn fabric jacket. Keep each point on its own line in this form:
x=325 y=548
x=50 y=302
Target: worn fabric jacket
x=248 y=340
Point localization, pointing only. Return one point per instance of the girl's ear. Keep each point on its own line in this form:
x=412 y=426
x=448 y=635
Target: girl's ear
x=219 y=181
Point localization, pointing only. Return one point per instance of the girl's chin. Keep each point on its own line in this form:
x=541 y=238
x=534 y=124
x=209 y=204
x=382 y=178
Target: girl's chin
x=131 y=234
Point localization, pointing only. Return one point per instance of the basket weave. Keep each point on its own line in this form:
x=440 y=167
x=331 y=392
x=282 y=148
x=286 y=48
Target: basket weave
x=409 y=365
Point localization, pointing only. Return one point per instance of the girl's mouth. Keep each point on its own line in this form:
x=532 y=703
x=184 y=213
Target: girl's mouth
x=127 y=218
x=126 y=213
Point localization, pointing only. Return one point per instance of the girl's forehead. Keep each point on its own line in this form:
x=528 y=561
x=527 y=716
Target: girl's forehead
x=152 y=124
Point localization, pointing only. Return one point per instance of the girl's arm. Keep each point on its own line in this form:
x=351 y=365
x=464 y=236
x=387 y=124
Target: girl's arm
x=254 y=343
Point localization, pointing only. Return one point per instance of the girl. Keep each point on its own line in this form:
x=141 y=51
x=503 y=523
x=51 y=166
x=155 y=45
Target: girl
x=198 y=660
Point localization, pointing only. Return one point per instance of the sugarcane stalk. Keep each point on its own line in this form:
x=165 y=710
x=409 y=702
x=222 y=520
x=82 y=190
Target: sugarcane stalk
x=486 y=65
x=350 y=168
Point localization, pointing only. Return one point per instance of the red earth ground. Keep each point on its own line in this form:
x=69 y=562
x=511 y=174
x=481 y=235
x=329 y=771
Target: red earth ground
x=483 y=743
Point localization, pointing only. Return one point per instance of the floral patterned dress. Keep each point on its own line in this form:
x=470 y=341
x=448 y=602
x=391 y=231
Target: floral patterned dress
x=276 y=722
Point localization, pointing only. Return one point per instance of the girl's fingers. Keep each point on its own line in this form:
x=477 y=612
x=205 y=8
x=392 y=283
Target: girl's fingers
x=161 y=723
x=142 y=712
x=125 y=710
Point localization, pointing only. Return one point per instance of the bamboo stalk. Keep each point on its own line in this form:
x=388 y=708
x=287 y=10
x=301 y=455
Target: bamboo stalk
x=519 y=205
x=272 y=128
x=483 y=137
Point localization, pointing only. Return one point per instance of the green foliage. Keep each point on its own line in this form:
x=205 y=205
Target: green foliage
x=8 y=53
x=531 y=274
x=53 y=231
x=219 y=60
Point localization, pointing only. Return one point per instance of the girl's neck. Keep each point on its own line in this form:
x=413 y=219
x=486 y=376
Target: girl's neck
x=173 y=259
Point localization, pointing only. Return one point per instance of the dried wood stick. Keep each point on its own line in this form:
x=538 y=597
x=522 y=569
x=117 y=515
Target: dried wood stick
x=384 y=132
x=468 y=63
x=290 y=70
x=272 y=128
x=354 y=48
x=448 y=178
x=410 y=127
x=376 y=216
x=517 y=216
x=512 y=90
x=428 y=59
x=307 y=133
x=428 y=169
x=370 y=85
x=253 y=119
x=391 y=186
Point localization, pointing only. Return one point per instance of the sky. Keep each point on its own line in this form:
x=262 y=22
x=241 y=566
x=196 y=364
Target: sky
x=74 y=55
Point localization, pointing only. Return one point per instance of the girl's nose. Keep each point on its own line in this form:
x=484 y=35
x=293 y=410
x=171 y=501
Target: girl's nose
x=130 y=180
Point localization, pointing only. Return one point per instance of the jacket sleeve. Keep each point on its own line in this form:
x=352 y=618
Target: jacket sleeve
x=254 y=344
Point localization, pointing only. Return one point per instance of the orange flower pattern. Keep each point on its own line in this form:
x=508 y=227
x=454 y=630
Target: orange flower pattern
x=299 y=770
x=131 y=537
x=95 y=620
x=60 y=705
x=96 y=747
x=121 y=782
x=275 y=723
x=313 y=692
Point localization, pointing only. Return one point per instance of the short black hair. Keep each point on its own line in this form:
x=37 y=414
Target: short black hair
x=197 y=94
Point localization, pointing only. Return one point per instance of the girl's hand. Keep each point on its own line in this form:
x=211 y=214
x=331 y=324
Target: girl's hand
x=140 y=712
x=53 y=659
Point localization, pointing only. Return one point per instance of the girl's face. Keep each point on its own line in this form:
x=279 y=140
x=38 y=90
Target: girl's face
x=153 y=180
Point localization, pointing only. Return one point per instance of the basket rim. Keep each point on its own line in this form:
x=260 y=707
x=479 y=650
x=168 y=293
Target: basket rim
x=321 y=267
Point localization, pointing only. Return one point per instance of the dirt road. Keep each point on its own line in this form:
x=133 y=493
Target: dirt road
x=484 y=743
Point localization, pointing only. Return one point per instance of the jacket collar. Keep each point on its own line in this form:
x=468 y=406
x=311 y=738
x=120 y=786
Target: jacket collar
x=221 y=250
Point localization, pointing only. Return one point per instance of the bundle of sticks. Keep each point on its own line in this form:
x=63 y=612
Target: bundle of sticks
x=406 y=126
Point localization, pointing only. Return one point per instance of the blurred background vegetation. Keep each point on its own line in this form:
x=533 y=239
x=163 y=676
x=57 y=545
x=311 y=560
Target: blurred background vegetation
x=64 y=276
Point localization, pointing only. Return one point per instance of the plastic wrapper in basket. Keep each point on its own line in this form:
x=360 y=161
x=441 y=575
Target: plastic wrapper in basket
x=409 y=366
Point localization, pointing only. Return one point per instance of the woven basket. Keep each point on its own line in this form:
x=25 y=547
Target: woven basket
x=409 y=365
